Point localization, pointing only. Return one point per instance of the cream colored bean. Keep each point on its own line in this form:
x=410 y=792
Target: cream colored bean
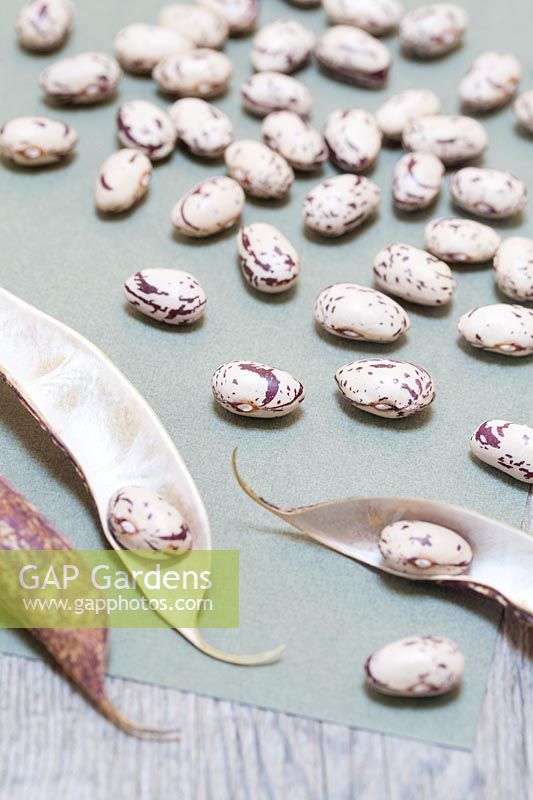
x=434 y=30
x=414 y=275
x=386 y=387
x=166 y=295
x=241 y=15
x=196 y=73
x=123 y=180
x=141 y=519
x=416 y=181
x=272 y=91
x=523 y=108
x=340 y=204
x=203 y=26
x=291 y=136
x=352 y=55
x=44 y=26
x=491 y=81
x=269 y=262
x=488 y=193
x=500 y=328
x=36 y=141
x=513 y=268
x=377 y=17
x=260 y=171
x=250 y=389
x=145 y=127
x=208 y=208
x=204 y=129
x=139 y=47
x=424 y=549
x=283 y=46
x=507 y=446
x=396 y=112
x=420 y=666
x=353 y=138
x=453 y=139
x=461 y=240
x=82 y=79
x=358 y=312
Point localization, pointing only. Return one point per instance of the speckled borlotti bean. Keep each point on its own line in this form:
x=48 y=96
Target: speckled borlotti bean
x=491 y=81
x=433 y=30
x=283 y=46
x=241 y=15
x=340 y=204
x=36 y=141
x=204 y=129
x=420 y=666
x=166 y=295
x=82 y=79
x=386 y=387
x=139 y=47
x=416 y=181
x=208 y=208
x=393 y=116
x=195 y=73
x=260 y=171
x=203 y=26
x=123 y=180
x=501 y=328
x=523 y=108
x=269 y=262
x=145 y=127
x=453 y=139
x=488 y=193
x=461 y=240
x=423 y=549
x=352 y=55
x=140 y=519
x=513 y=268
x=353 y=138
x=291 y=136
x=251 y=389
x=507 y=446
x=377 y=17
x=273 y=91
x=359 y=312
x=414 y=275
x=44 y=26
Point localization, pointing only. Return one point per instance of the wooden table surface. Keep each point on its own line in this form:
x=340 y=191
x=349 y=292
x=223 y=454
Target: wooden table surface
x=53 y=746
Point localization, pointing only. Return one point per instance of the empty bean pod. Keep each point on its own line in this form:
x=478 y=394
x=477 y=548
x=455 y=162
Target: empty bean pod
x=166 y=295
x=208 y=208
x=434 y=30
x=260 y=171
x=491 y=81
x=513 y=267
x=123 y=180
x=82 y=79
x=414 y=275
x=269 y=262
x=359 y=312
x=251 y=389
x=423 y=549
x=145 y=127
x=140 y=519
x=291 y=136
x=352 y=55
x=44 y=26
x=461 y=240
x=523 y=108
x=377 y=17
x=386 y=387
x=195 y=73
x=353 y=138
x=273 y=91
x=283 y=46
x=36 y=141
x=241 y=15
x=420 y=666
x=488 y=193
x=203 y=26
x=340 y=204
x=393 y=116
x=416 y=181
x=507 y=446
x=139 y=47
x=201 y=127
x=500 y=328
x=453 y=139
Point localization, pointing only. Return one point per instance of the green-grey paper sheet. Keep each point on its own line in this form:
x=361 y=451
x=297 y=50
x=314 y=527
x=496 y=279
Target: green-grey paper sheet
x=59 y=255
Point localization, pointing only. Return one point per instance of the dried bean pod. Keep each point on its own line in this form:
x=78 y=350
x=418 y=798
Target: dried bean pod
x=273 y=91
x=416 y=181
x=123 y=180
x=36 y=141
